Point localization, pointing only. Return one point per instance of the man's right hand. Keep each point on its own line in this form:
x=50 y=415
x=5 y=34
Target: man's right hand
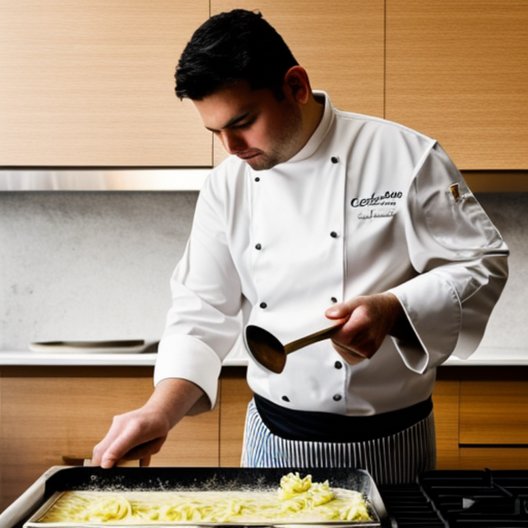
x=137 y=434
x=142 y=432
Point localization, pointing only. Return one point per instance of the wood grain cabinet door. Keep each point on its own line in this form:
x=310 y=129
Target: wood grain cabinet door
x=494 y=424
x=457 y=72
x=494 y=413
x=91 y=83
x=446 y=405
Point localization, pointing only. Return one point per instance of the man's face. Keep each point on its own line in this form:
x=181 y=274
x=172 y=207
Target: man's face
x=253 y=124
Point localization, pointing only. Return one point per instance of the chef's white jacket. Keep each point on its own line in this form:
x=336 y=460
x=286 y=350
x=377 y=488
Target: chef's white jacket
x=366 y=206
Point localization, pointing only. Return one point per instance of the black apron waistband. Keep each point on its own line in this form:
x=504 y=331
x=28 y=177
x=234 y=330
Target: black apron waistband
x=328 y=427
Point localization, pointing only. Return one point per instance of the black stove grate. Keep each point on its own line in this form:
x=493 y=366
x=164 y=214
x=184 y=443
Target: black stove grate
x=460 y=499
x=483 y=499
x=408 y=507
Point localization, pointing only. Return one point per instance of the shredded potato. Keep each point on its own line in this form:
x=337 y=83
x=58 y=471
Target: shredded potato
x=297 y=500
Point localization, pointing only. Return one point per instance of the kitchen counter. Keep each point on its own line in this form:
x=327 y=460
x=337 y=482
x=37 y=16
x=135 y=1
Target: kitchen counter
x=237 y=358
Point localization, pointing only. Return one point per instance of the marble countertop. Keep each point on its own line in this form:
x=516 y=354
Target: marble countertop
x=238 y=358
x=28 y=358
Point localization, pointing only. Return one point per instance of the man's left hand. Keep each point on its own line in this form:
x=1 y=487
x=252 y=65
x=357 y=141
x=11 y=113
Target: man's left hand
x=370 y=319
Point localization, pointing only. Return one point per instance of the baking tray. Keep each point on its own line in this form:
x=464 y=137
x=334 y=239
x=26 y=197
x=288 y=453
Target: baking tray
x=198 y=479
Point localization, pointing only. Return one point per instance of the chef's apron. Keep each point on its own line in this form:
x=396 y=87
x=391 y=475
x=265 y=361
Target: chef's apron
x=394 y=459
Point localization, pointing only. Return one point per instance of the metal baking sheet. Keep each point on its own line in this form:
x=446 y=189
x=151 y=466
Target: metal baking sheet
x=198 y=479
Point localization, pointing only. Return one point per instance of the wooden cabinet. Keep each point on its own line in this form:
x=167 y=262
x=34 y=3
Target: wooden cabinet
x=495 y=457
x=494 y=423
x=456 y=71
x=92 y=84
x=51 y=412
x=494 y=412
x=488 y=414
x=47 y=413
x=446 y=398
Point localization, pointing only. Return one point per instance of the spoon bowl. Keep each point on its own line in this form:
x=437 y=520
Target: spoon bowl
x=267 y=350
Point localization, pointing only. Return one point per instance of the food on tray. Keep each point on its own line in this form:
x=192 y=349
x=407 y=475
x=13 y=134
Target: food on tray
x=297 y=500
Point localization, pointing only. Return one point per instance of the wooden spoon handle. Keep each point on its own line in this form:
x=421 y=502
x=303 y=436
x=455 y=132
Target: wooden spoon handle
x=315 y=337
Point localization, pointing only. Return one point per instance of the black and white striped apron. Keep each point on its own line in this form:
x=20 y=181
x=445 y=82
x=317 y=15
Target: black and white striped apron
x=394 y=459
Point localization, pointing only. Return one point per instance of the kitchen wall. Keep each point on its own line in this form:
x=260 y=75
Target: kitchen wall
x=96 y=265
x=88 y=265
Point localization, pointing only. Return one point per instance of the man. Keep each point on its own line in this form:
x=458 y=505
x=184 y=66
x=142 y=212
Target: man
x=318 y=216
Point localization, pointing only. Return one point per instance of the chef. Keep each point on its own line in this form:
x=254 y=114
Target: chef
x=317 y=216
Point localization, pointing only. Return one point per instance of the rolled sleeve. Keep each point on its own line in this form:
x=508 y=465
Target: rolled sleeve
x=437 y=330
x=200 y=364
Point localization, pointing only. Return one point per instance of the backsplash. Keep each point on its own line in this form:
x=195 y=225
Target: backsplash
x=88 y=265
x=96 y=266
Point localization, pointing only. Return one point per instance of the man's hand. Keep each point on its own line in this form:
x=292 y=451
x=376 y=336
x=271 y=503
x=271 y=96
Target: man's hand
x=137 y=434
x=371 y=319
x=142 y=432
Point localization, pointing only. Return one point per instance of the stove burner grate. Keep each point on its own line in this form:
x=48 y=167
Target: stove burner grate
x=409 y=508
x=497 y=499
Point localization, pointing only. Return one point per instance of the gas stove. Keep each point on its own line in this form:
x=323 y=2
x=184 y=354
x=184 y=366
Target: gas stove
x=460 y=499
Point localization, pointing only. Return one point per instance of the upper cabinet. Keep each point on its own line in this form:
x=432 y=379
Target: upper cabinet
x=91 y=83
x=458 y=72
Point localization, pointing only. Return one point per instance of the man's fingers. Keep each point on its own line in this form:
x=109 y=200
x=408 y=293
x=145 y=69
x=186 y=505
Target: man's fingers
x=130 y=437
x=145 y=450
x=341 y=310
x=120 y=439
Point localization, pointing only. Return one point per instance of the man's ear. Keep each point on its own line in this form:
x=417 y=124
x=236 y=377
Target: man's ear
x=296 y=81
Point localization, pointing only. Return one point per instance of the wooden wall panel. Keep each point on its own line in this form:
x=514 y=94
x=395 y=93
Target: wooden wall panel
x=456 y=71
x=92 y=83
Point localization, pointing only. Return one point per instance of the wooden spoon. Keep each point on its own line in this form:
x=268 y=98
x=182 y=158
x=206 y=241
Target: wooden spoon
x=271 y=353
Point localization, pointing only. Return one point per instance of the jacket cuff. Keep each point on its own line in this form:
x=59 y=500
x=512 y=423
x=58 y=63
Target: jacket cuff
x=434 y=312
x=199 y=364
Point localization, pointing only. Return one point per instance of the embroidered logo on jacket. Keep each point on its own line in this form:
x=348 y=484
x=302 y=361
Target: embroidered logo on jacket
x=386 y=201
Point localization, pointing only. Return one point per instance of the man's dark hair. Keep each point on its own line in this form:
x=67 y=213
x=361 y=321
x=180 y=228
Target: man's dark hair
x=229 y=47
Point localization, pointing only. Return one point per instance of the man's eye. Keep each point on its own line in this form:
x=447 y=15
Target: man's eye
x=241 y=126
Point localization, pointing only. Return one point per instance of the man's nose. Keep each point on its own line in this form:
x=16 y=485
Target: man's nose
x=232 y=142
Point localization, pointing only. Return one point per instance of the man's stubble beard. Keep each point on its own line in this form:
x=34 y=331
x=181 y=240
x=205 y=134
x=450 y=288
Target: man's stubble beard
x=285 y=146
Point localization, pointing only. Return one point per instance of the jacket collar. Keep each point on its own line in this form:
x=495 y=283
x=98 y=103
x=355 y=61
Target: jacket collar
x=320 y=132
